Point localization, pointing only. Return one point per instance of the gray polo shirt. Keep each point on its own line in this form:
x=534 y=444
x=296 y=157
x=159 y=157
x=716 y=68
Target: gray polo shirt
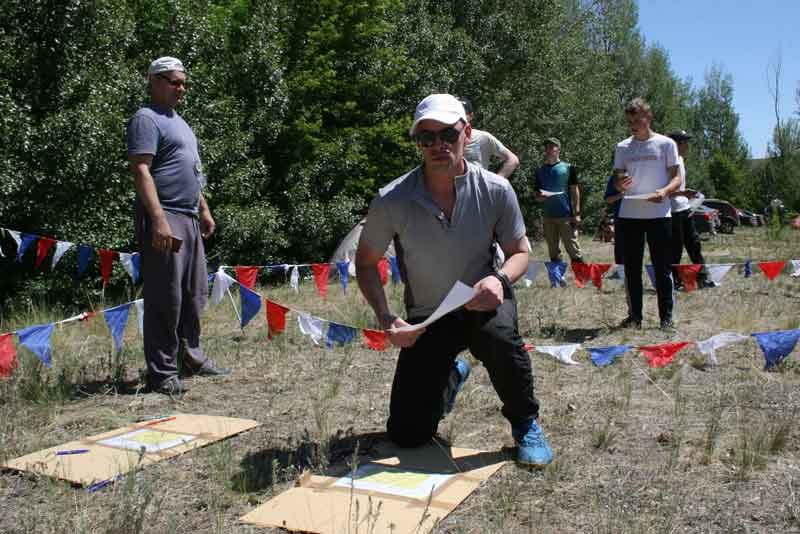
x=433 y=252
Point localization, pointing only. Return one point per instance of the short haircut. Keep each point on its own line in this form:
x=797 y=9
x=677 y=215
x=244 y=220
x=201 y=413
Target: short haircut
x=638 y=105
x=466 y=103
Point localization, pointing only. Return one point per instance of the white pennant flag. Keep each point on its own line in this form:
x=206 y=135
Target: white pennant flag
x=562 y=353
x=127 y=263
x=15 y=236
x=140 y=314
x=795 y=268
x=617 y=273
x=1 y=248
x=533 y=271
x=221 y=284
x=717 y=271
x=61 y=248
x=294 y=279
x=710 y=345
x=311 y=326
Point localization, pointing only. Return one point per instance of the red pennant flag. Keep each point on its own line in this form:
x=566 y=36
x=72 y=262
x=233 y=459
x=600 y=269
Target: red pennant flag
x=107 y=258
x=8 y=355
x=661 y=355
x=688 y=274
x=376 y=339
x=276 y=318
x=321 y=272
x=247 y=275
x=529 y=347
x=383 y=270
x=42 y=248
x=771 y=269
x=597 y=270
x=582 y=273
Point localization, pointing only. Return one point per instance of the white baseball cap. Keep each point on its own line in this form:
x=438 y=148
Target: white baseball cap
x=443 y=108
x=165 y=64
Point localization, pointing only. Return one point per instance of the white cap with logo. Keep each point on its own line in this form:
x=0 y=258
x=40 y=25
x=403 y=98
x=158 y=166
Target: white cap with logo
x=165 y=64
x=443 y=108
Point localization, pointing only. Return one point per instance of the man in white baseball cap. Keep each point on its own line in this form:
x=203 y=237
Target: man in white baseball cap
x=444 y=217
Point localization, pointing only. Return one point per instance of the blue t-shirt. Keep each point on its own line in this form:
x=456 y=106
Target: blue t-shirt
x=176 y=167
x=610 y=192
x=557 y=178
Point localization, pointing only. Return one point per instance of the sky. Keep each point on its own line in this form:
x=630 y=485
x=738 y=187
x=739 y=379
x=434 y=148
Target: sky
x=743 y=37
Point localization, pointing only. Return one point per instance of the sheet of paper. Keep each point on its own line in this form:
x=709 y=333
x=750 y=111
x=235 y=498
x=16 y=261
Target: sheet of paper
x=643 y=196
x=394 y=481
x=147 y=439
x=546 y=193
x=459 y=295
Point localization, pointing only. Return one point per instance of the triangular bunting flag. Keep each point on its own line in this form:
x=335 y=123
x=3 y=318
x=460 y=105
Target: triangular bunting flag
x=562 y=353
x=606 y=355
x=618 y=273
x=8 y=355
x=555 y=272
x=247 y=275
x=37 y=339
x=395 y=269
x=771 y=269
x=717 y=271
x=84 y=256
x=582 y=273
x=251 y=304
x=106 y=264
x=311 y=326
x=795 y=264
x=533 y=271
x=383 y=270
x=651 y=274
x=321 y=272
x=16 y=237
x=276 y=318
x=25 y=241
x=140 y=314
x=131 y=263
x=1 y=248
x=748 y=269
x=342 y=267
x=776 y=346
x=61 y=248
x=710 y=345
x=294 y=278
x=376 y=339
x=596 y=272
x=661 y=355
x=42 y=248
x=339 y=334
x=116 y=319
x=688 y=274
x=222 y=282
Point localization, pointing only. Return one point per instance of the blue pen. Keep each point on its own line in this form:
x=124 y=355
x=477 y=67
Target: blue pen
x=76 y=451
x=102 y=484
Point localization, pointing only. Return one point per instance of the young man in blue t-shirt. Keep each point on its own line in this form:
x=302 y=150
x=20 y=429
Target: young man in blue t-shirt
x=557 y=187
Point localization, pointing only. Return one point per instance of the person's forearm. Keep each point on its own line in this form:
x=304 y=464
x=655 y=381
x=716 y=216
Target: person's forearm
x=369 y=281
x=673 y=185
x=203 y=205
x=575 y=195
x=614 y=198
x=509 y=166
x=146 y=188
x=515 y=266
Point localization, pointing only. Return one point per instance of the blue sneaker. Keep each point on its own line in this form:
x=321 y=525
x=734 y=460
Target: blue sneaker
x=458 y=375
x=533 y=448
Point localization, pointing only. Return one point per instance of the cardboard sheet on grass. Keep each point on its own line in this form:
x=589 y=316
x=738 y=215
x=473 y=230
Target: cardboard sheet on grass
x=118 y=451
x=401 y=491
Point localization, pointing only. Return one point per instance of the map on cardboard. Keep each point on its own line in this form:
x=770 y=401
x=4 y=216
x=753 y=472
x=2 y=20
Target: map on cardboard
x=148 y=439
x=394 y=481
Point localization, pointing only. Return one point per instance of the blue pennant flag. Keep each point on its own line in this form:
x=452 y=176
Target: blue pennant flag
x=342 y=266
x=37 y=339
x=339 y=334
x=651 y=274
x=84 y=255
x=251 y=304
x=136 y=261
x=555 y=272
x=606 y=355
x=748 y=269
x=776 y=345
x=24 y=242
x=116 y=319
x=395 y=268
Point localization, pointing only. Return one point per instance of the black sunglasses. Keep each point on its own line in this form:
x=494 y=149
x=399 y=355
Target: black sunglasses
x=427 y=138
x=174 y=82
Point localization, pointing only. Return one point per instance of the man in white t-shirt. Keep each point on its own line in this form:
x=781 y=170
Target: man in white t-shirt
x=483 y=146
x=684 y=233
x=646 y=170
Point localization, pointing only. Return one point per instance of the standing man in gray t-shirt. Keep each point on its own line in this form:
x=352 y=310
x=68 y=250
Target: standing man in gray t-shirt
x=483 y=146
x=444 y=217
x=172 y=217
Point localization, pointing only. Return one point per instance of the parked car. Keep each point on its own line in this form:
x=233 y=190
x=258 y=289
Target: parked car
x=748 y=218
x=706 y=219
x=728 y=214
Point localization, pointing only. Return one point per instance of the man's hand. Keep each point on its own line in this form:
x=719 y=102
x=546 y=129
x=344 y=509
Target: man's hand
x=658 y=196
x=623 y=182
x=576 y=221
x=489 y=297
x=207 y=224
x=402 y=339
x=161 y=235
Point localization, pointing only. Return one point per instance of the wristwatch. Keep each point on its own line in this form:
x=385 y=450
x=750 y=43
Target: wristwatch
x=503 y=278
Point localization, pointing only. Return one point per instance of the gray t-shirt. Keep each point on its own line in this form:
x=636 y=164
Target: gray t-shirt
x=433 y=252
x=176 y=167
x=482 y=147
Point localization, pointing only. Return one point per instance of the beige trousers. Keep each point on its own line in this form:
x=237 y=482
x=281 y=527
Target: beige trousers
x=561 y=228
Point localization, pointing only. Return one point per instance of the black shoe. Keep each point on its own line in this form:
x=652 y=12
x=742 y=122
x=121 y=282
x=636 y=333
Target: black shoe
x=707 y=284
x=171 y=386
x=211 y=370
x=667 y=325
x=630 y=322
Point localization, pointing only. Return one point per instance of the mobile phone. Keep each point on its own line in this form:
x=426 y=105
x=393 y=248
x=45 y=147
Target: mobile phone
x=176 y=244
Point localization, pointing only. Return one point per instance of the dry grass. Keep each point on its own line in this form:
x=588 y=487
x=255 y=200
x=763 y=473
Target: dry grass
x=687 y=448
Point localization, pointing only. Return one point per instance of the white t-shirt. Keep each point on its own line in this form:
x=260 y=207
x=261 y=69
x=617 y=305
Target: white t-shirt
x=680 y=203
x=482 y=146
x=647 y=161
